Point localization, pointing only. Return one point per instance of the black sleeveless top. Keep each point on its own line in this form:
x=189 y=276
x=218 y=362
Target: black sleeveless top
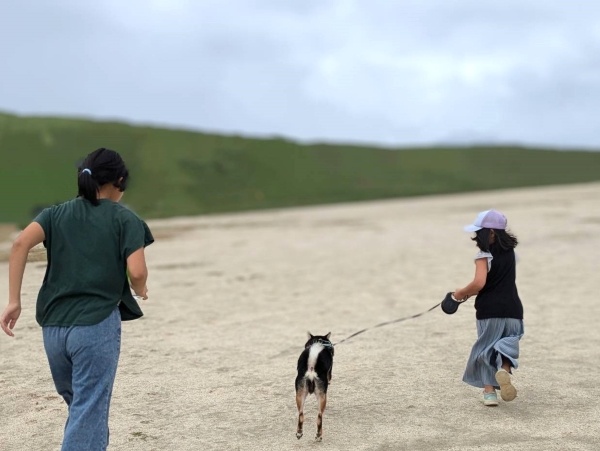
x=499 y=297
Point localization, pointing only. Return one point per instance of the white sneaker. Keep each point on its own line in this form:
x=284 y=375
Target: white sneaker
x=507 y=390
x=490 y=399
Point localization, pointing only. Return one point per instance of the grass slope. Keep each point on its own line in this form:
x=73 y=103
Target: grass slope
x=177 y=172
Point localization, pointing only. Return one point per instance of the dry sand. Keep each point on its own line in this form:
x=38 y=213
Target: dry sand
x=212 y=364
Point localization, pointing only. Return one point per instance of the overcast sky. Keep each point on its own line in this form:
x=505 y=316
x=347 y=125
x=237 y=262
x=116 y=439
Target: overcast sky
x=375 y=71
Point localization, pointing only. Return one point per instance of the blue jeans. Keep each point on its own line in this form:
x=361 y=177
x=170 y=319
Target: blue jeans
x=83 y=361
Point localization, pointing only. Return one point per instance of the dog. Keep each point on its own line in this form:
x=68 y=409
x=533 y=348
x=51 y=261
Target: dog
x=314 y=375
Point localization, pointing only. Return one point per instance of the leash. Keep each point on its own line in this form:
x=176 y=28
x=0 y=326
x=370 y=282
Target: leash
x=388 y=322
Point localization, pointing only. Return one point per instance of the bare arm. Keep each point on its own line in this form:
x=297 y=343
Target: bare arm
x=28 y=238
x=138 y=272
x=474 y=287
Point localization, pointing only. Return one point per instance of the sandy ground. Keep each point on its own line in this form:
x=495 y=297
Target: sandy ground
x=212 y=364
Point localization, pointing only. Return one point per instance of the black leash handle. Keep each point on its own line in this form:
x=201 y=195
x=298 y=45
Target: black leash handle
x=404 y=318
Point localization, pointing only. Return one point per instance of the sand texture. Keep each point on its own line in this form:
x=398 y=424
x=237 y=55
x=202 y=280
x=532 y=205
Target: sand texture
x=211 y=365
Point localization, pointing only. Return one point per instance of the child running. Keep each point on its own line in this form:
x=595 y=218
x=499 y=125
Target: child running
x=499 y=311
x=93 y=244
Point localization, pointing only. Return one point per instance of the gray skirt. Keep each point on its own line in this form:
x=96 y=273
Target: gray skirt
x=497 y=338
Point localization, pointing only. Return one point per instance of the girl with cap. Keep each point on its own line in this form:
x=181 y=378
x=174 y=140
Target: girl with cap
x=95 y=249
x=499 y=311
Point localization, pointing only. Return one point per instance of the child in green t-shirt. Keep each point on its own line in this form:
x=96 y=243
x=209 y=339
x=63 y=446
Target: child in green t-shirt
x=95 y=249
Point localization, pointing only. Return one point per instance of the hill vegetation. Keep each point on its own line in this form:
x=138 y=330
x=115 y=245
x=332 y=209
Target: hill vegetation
x=178 y=172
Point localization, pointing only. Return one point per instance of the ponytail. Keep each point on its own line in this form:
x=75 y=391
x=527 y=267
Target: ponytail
x=88 y=186
x=100 y=167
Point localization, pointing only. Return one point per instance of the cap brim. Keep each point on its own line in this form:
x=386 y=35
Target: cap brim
x=472 y=228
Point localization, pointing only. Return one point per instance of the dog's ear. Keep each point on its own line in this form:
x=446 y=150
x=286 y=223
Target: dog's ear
x=309 y=335
x=328 y=335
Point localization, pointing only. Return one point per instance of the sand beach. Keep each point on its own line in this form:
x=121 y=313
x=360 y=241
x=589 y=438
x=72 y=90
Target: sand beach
x=211 y=365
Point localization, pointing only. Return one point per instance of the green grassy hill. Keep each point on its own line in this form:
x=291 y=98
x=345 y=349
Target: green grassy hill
x=176 y=172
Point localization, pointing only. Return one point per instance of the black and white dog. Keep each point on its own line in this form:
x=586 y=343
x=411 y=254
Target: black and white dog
x=314 y=374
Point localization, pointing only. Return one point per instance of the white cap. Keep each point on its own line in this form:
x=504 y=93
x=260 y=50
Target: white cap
x=489 y=219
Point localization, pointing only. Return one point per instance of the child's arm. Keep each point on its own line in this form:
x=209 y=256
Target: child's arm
x=138 y=272
x=481 y=269
x=27 y=239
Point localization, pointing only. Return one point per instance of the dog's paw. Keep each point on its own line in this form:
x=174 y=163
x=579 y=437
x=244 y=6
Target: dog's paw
x=319 y=438
x=298 y=435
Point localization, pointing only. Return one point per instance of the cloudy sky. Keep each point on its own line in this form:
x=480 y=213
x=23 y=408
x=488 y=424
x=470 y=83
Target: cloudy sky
x=393 y=72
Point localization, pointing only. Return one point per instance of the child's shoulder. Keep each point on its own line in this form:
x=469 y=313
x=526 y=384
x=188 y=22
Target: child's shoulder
x=127 y=217
x=124 y=211
x=59 y=208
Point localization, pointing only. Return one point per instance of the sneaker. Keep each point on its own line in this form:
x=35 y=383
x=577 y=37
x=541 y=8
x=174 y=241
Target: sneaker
x=490 y=399
x=507 y=390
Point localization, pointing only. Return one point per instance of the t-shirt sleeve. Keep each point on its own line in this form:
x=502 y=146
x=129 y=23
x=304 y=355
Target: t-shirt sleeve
x=135 y=234
x=485 y=255
x=148 y=238
x=43 y=219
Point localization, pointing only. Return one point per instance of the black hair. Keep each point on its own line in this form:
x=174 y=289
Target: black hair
x=100 y=167
x=503 y=241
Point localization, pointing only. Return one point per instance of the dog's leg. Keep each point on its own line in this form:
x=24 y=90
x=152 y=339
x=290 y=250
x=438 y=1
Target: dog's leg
x=301 y=395
x=322 y=398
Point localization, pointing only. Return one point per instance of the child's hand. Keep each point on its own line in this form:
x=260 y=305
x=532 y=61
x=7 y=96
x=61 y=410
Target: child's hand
x=459 y=295
x=9 y=318
x=142 y=293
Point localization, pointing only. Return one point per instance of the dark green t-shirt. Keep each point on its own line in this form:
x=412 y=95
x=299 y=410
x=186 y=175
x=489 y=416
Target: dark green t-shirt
x=87 y=248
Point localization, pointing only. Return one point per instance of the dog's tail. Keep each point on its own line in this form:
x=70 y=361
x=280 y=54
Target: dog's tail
x=310 y=377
